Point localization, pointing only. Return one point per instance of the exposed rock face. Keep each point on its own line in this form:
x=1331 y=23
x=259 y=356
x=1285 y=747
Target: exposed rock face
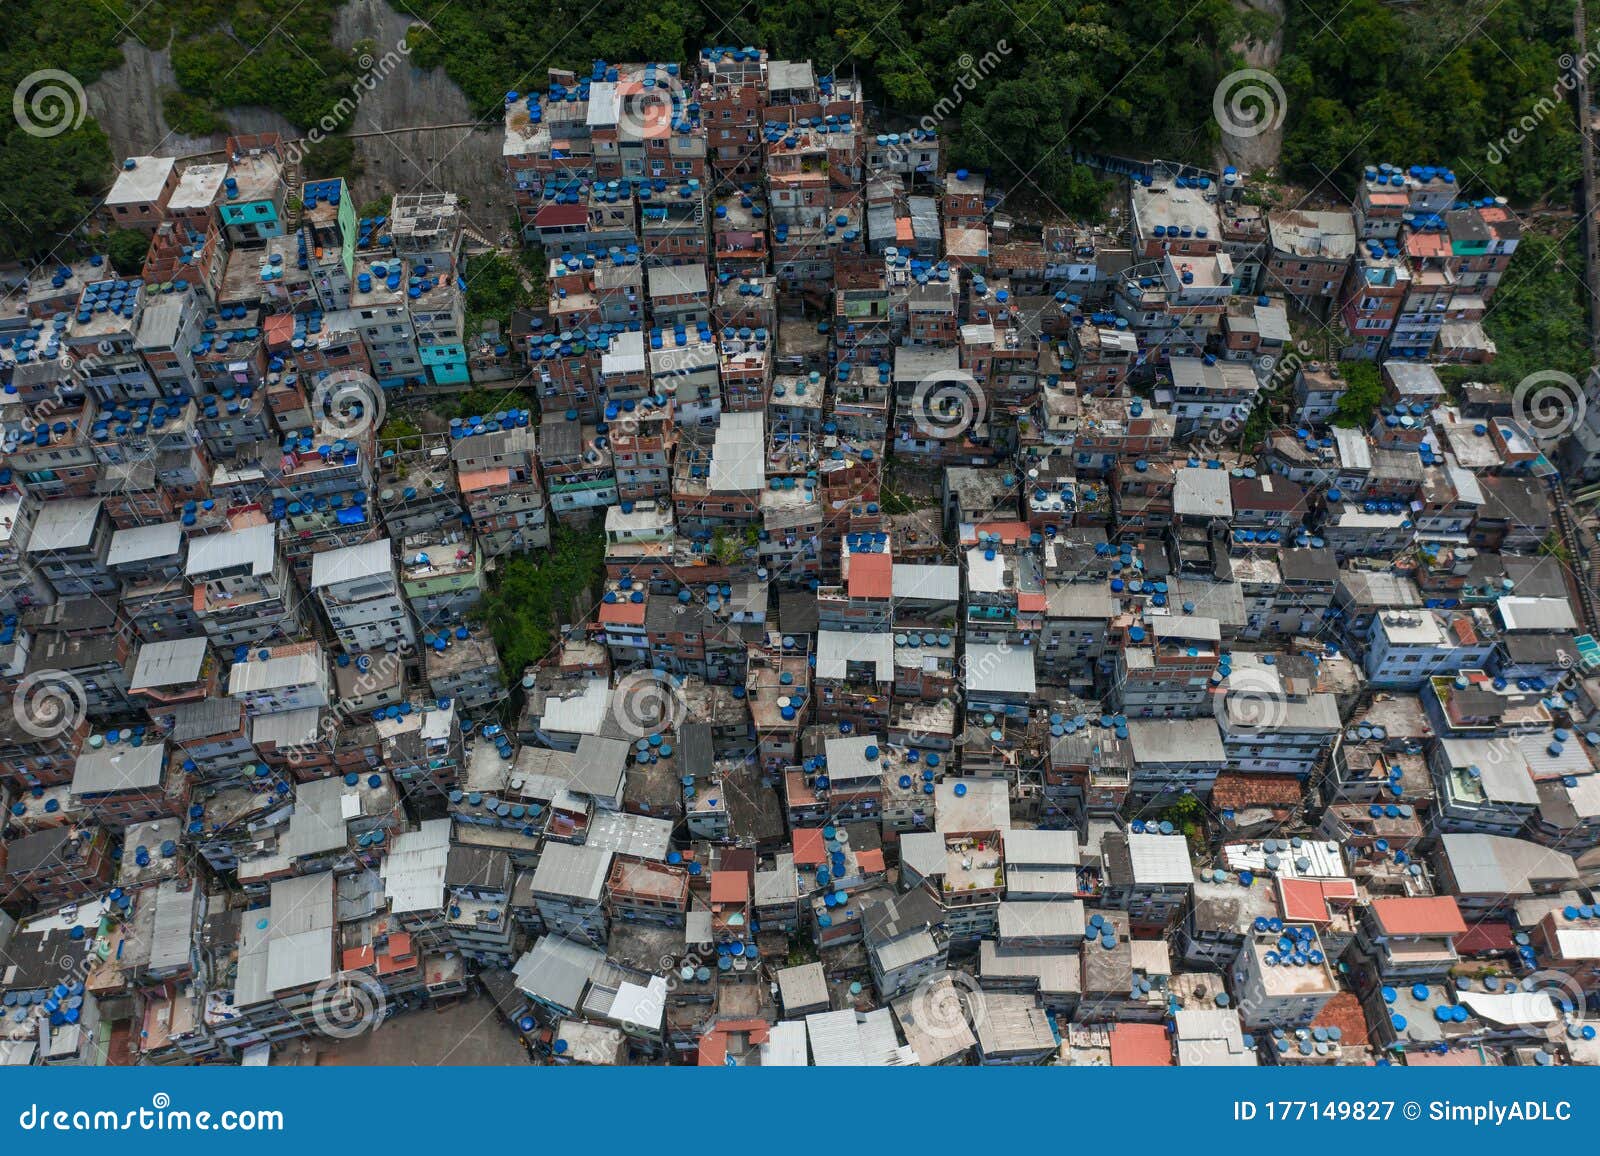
x=393 y=157
x=1260 y=151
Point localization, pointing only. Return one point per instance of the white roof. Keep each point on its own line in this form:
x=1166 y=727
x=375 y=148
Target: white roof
x=1201 y=493
x=785 y=1046
x=847 y=758
x=581 y=713
x=351 y=563
x=836 y=648
x=141 y=543
x=64 y=524
x=605 y=104
x=119 y=768
x=198 y=187
x=993 y=668
x=168 y=663
x=300 y=929
x=1537 y=614
x=556 y=970
x=1502 y=770
x=643 y=1005
x=413 y=870
x=738 y=456
x=673 y=280
x=1160 y=858
x=251 y=546
x=625 y=354
x=1355 y=452
x=141 y=183
x=282 y=670
x=927 y=583
x=835 y=1039
x=1510 y=1009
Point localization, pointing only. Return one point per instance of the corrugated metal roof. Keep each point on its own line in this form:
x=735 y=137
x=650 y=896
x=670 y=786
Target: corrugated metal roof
x=251 y=548
x=119 y=768
x=413 y=871
x=996 y=669
x=574 y=872
x=837 y=648
x=738 y=455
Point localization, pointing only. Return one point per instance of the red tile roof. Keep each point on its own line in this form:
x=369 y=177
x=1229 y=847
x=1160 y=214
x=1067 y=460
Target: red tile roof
x=1237 y=790
x=1306 y=900
x=1140 y=1046
x=560 y=216
x=1484 y=938
x=713 y=1050
x=729 y=887
x=870 y=860
x=809 y=847
x=871 y=576
x=1009 y=532
x=280 y=330
x=1419 y=915
x=622 y=613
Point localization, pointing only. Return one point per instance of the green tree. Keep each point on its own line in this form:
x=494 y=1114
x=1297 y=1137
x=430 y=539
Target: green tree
x=1363 y=392
x=127 y=249
x=494 y=289
x=534 y=593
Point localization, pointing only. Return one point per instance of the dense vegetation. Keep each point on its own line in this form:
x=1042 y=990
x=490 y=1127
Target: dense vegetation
x=1363 y=392
x=1020 y=84
x=494 y=290
x=1538 y=316
x=532 y=594
x=1435 y=83
x=1024 y=81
